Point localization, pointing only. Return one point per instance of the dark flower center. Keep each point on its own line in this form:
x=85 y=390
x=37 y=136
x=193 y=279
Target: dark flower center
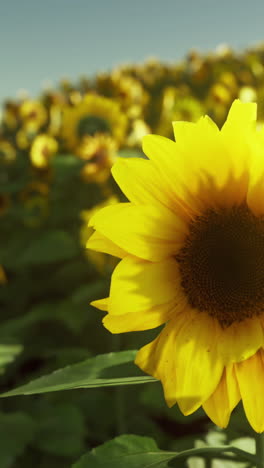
x=92 y=124
x=222 y=264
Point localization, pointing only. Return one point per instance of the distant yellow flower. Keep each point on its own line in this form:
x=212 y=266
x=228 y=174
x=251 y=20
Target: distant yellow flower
x=23 y=139
x=177 y=107
x=191 y=241
x=219 y=93
x=7 y=152
x=33 y=115
x=126 y=89
x=44 y=147
x=139 y=128
x=10 y=115
x=54 y=101
x=92 y=116
x=55 y=119
x=99 y=153
x=247 y=94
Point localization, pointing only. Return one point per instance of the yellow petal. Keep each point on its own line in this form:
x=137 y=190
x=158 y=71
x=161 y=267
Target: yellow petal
x=172 y=168
x=250 y=376
x=237 y=133
x=161 y=151
x=137 y=321
x=156 y=359
x=184 y=357
x=205 y=126
x=196 y=168
x=148 y=232
x=199 y=367
x=240 y=340
x=221 y=403
x=100 y=243
x=241 y=117
x=206 y=157
x=141 y=182
x=138 y=285
x=101 y=304
x=218 y=160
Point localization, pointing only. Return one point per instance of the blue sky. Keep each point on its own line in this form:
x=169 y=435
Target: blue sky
x=48 y=40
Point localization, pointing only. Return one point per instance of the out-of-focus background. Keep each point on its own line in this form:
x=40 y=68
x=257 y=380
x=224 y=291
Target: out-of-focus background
x=81 y=83
x=41 y=42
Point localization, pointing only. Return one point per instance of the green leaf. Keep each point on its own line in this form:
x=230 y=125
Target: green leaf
x=133 y=451
x=16 y=432
x=101 y=371
x=129 y=451
x=51 y=247
x=8 y=353
x=214 y=438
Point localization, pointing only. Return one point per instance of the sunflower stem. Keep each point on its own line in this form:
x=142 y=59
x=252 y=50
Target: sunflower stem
x=260 y=450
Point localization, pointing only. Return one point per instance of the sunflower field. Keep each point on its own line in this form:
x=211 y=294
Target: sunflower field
x=56 y=155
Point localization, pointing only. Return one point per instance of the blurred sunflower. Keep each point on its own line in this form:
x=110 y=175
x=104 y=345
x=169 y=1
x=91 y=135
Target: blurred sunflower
x=191 y=241
x=125 y=89
x=54 y=101
x=7 y=152
x=43 y=148
x=55 y=119
x=92 y=116
x=23 y=139
x=138 y=129
x=218 y=101
x=99 y=153
x=247 y=94
x=33 y=115
x=10 y=115
x=176 y=106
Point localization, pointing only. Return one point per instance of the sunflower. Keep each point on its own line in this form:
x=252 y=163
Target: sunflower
x=33 y=115
x=125 y=89
x=7 y=152
x=23 y=139
x=138 y=129
x=10 y=115
x=99 y=154
x=176 y=106
x=93 y=115
x=43 y=148
x=191 y=241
